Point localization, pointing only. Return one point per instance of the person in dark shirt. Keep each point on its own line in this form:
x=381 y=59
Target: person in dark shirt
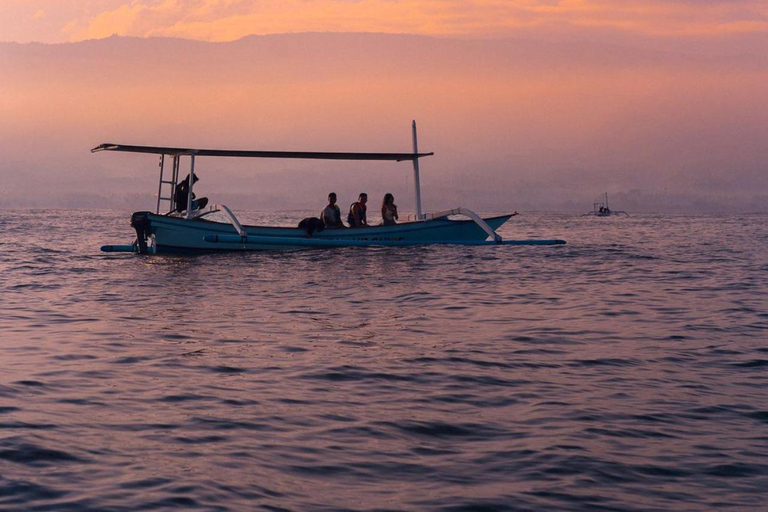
x=182 y=196
x=356 y=217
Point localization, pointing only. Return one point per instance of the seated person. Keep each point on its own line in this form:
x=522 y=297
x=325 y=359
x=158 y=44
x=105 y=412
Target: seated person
x=181 y=196
x=388 y=210
x=356 y=217
x=331 y=214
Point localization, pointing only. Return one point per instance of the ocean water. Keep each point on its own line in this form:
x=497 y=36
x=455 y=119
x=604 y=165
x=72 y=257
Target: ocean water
x=626 y=371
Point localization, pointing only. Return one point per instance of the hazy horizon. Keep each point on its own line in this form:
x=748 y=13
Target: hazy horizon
x=514 y=124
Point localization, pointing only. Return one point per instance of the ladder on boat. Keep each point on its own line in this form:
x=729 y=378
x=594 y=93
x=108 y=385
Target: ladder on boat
x=164 y=184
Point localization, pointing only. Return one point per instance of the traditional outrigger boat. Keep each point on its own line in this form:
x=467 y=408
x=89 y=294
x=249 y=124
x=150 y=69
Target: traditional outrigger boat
x=602 y=210
x=184 y=229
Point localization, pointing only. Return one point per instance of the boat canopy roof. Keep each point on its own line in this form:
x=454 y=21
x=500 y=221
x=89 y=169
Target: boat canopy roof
x=158 y=150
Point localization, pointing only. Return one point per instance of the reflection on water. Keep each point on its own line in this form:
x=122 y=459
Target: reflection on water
x=624 y=371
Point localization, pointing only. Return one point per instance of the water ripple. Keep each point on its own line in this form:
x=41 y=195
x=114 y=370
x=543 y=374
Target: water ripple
x=621 y=372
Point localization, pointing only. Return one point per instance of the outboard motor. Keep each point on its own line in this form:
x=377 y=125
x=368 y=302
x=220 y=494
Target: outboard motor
x=141 y=223
x=311 y=224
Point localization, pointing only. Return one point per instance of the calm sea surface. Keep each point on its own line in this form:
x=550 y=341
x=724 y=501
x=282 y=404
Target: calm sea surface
x=626 y=371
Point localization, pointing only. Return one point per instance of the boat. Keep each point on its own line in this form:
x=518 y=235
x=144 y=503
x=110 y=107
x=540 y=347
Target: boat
x=181 y=228
x=602 y=210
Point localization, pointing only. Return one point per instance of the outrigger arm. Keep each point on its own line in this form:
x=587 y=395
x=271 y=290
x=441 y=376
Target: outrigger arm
x=235 y=223
x=455 y=211
x=472 y=215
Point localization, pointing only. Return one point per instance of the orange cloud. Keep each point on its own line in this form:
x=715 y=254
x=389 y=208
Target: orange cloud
x=225 y=20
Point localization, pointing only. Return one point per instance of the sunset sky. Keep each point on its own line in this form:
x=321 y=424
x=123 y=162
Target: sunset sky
x=526 y=103
x=55 y=21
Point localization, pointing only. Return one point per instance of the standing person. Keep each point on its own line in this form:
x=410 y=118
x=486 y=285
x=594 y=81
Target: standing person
x=356 y=217
x=331 y=214
x=182 y=196
x=388 y=210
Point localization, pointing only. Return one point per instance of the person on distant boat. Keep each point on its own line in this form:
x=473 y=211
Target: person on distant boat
x=388 y=210
x=331 y=214
x=356 y=217
x=182 y=196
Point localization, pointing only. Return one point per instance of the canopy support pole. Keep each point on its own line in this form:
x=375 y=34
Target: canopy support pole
x=189 y=185
x=175 y=180
x=416 y=181
x=160 y=184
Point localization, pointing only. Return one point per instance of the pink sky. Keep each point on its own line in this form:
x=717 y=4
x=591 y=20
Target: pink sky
x=550 y=101
x=56 y=21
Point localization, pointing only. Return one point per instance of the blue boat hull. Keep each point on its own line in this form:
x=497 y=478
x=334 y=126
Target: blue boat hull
x=178 y=235
x=174 y=234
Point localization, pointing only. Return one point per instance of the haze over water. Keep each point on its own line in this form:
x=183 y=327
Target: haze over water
x=532 y=123
x=623 y=371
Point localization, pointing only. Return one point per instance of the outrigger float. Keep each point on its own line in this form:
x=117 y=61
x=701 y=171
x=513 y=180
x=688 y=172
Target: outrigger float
x=183 y=229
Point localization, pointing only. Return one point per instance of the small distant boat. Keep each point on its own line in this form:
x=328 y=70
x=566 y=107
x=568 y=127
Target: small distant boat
x=184 y=229
x=602 y=210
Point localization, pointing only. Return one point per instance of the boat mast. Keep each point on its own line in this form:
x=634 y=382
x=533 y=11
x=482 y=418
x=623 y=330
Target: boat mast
x=416 y=184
